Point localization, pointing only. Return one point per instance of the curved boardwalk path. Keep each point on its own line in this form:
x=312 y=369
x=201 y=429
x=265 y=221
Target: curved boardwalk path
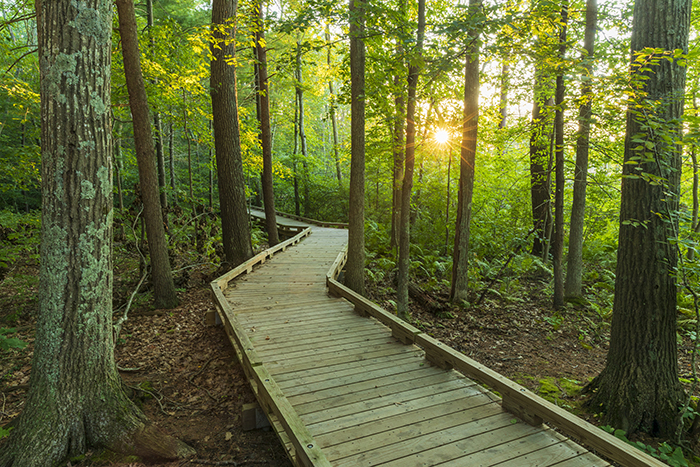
x=345 y=390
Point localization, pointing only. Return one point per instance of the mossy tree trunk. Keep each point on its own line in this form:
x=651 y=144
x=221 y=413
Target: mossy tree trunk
x=227 y=140
x=76 y=401
x=639 y=389
x=164 y=294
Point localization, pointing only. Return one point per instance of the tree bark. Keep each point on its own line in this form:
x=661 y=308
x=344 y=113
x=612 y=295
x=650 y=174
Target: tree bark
x=558 y=243
x=75 y=400
x=331 y=110
x=355 y=267
x=299 y=88
x=404 y=229
x=540 y=154
x=574 y=266
x=263 y=96
x=639 y=389
x=227 y=142
x=398 y=148
x=158 y=126
x=164 y=294
x=459 y=290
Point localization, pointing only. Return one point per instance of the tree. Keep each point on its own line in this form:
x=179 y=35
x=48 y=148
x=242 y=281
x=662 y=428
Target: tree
x=263 y=104
x=355 y=268
x=574 y=265
x=470 y=126
x=639 y=389
x=227 y=140
x=164 y=294
x=76 y=399
x=558 y=244
x=410 y=160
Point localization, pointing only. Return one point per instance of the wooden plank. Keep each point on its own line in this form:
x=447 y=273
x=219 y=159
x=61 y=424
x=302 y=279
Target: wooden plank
x=365 y=410
x=515 y=450
x=385 y=387
x=380 y=414
x=293 y=325
x=322 y=357
x=291 y=311
x=355 y=355
x=318 y=340
x=370 y=379
x=345 y=369
x=462 y=406
x=308 y=332
x=584 y=460
x=554 y=454
x=307 y=452
x=297 y=305
x=446 y=445
x=304 y=353
x=525 y=402
x=365 y=442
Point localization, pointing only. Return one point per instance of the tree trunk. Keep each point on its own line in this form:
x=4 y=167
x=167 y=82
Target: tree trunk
x=398 y=148
x=75 y=400
x=540 y=147
x=355 y=267
x=299 y=88
x=639 y=389
x=558 y=244
x=574 y=266
x=227 y=142
x=164 y=294
x=503 y=103
x=295 y=162
x=331 y=110
x=404 y=229
x=171 y=157
x=158 y=125
x=263 y=96
x=459 y=291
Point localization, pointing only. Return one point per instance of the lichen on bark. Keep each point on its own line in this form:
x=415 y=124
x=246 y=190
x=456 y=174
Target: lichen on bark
x=76 y=400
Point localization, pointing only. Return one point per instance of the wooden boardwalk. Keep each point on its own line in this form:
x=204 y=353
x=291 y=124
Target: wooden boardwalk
x=345 y=389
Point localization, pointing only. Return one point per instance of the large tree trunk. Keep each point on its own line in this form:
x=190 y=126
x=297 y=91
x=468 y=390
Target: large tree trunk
x=355 y=267
x=227 y=142
x=407 y=187
x=558 y=243
x=263 y=96
x=76 y=401
x=459 y=291
x=639 y=389
x=574 y=266
x=164 y=294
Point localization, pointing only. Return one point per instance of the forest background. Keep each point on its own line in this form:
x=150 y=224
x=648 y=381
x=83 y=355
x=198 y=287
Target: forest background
x=309 y=94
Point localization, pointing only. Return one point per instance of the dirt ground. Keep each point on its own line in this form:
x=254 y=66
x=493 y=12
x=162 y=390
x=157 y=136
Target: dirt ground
x=185 y=376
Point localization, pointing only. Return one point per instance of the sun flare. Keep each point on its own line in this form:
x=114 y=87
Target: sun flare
x=442 y=136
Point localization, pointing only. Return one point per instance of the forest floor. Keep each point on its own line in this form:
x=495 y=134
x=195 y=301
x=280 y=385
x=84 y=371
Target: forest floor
x=185 y=376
